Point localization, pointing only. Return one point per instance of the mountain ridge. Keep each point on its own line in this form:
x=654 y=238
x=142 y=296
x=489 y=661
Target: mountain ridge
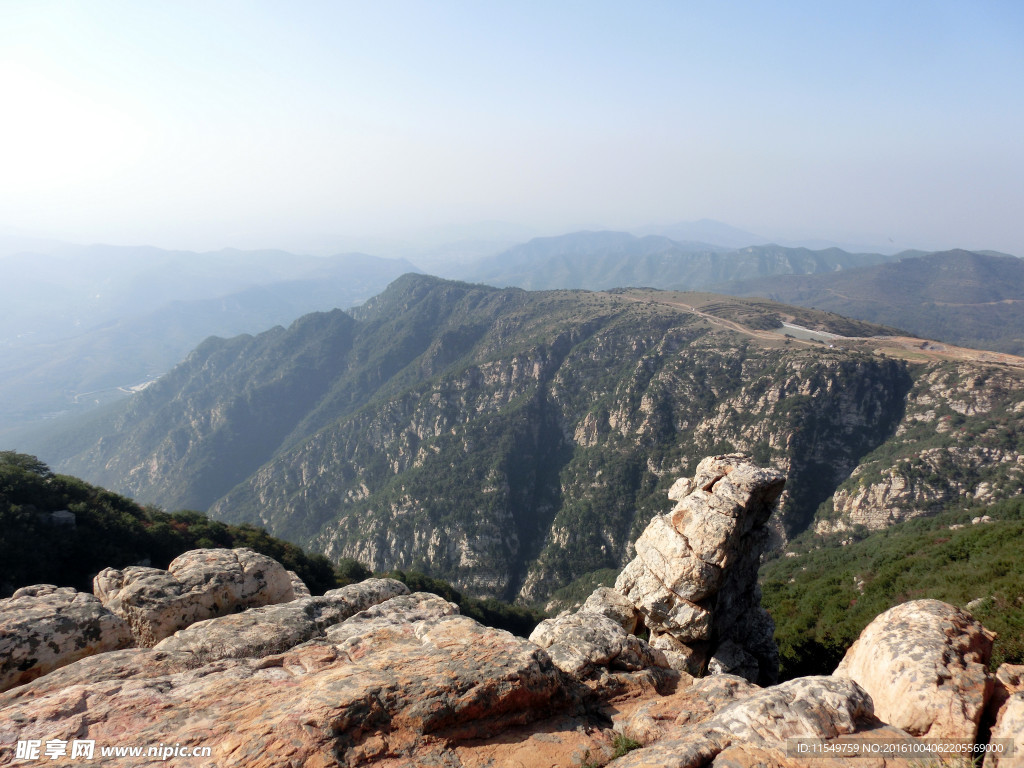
x=607 y=259
x=513 y=441
x=963 y=297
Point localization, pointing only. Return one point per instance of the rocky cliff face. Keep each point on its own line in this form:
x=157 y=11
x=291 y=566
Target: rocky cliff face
x=959 y=441
x=516 y=476
x=510 y=442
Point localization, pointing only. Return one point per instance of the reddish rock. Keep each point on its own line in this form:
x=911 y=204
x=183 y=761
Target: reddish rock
x=271 y=629
x=406 y=679
x=753 y=730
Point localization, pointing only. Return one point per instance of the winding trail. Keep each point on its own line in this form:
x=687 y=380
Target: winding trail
x=909 y=348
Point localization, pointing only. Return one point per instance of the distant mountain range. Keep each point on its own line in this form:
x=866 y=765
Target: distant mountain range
x=961 y=297
x=83 y=325
x=603 y=260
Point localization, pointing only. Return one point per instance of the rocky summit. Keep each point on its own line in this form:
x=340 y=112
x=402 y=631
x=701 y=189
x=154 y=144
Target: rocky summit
x=244 y=663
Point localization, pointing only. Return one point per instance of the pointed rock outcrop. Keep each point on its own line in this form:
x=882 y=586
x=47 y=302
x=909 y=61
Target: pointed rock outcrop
x=694 y=578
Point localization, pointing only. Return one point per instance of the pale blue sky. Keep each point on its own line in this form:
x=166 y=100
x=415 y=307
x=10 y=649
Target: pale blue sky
x=208 y=124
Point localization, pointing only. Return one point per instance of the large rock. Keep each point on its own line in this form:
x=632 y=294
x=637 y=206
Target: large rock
x=581 y=642
x=607 y=602
x=271 y=629
x=753 y=730
x=1009 y=679
x=694 y=577
x=1009 y=727
x=397 y=684
x=925 y=664
x=44 y=627
x=197 y=585
x=299 y=588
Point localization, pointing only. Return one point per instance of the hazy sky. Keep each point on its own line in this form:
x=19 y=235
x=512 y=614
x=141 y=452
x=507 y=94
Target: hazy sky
x=208 y=124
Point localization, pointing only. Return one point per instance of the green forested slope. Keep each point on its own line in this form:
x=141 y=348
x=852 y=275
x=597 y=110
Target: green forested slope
x=109 y=530
x=824 y=596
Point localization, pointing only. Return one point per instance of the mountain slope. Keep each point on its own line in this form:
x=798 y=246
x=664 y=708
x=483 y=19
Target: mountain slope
x=511 y=441
x=962 y=297
x=603 y=260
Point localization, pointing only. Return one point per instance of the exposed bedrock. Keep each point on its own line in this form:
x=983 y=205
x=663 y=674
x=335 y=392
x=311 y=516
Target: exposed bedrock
x=197 y=585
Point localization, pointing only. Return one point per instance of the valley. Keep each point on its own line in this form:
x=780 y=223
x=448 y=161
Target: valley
x=512 y=442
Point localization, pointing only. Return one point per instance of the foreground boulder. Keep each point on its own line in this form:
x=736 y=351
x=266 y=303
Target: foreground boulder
x=925 y=665
x=753 y=730
x=392 y=685
x=45 y=627
x=694 y=578
x=197 y=585
x=1009 y=679
x=580 y=643
x=1009 y=726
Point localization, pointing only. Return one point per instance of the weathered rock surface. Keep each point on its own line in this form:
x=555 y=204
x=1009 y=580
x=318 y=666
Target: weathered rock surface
x=680 y=656
x=695 y=574
x=1009 y=679
x=753 y=729
x=44 y=627
x=197 y=585
x=299 y=588
x=910 y=481
x=614 y=605
x=370 y=675
x=693 y=701
x=406 y=676
x=271 y=629
x=924 y=663
x=408 y=681
x=578 y=643
x=1009 y=726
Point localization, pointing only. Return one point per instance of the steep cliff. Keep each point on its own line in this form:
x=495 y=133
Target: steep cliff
x=960 y=441
x=511 y=441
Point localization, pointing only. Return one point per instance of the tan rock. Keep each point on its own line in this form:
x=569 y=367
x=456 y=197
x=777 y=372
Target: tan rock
x=753 y=730
x=44 y=627
x=924 y=663
x=578 y=643
x=1009 y=679
x=1009 y=727
x=694 y=576
x=680 y=656
x=197 y=585
x=663 y=610
x=299 y=588
x=608 y=602
x=669 y=558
